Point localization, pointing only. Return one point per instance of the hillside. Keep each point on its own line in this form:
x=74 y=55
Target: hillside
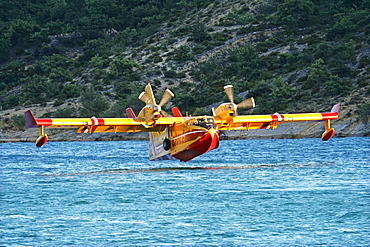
x=93 y=58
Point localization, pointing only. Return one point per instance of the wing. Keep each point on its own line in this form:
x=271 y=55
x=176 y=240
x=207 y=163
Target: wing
x=97 y=125
x=247 y=122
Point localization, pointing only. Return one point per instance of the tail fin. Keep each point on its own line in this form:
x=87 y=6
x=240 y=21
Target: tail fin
x=176 y=112
x=130 y=113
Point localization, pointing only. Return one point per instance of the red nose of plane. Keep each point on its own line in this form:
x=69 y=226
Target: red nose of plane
x=202 y=141
x=215 y=140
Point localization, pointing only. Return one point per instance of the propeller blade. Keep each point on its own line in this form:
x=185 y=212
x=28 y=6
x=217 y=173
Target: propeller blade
x=149 y=92
x=166 y=97
x=145 y=98
x=248 y=103
x=229 y=92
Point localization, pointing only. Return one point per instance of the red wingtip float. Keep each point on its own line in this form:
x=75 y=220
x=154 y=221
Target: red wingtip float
x=329 y=132
x=180 y=137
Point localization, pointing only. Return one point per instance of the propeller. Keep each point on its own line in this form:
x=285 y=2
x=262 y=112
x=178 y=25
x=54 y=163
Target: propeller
x=248 y=103
x=154 y=111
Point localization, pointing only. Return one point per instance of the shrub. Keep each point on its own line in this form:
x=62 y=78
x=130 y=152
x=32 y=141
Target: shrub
x=69 y=91
x=64 y=113
x=58 y=102
x=93 y=103
x=334 y=86
x=170 y=74
x=183 y=54
x=364 y=112
x=19 y=122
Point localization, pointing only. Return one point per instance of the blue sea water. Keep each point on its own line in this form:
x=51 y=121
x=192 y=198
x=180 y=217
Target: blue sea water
x=247 y=192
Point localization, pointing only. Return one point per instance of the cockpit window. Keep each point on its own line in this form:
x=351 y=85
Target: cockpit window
x=205 y=122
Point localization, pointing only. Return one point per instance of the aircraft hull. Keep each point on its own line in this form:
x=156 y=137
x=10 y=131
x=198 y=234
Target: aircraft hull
x=195 y=143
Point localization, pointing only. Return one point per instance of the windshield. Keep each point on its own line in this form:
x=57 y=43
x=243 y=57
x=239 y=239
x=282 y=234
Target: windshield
x=205 y=122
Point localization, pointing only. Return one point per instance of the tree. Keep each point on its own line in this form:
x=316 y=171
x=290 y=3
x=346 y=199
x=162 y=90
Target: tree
x=296 y=13
x=183 y=54
x=246 y=63
x=122 y=66
x=343 y=26
x=69 y=91
x=93 y=102
x=4 y=43
x=64 y=113
x=38 y=89
x=334 y=85
x=281 y=93
x=93 y=47
x=129 y=36
x=318 y=74
x=21 y=31
x=198 y=32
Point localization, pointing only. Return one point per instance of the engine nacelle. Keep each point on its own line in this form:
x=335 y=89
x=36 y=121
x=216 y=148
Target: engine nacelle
x=225 y=111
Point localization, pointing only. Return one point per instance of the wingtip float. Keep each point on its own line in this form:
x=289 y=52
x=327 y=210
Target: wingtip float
x=180 y=137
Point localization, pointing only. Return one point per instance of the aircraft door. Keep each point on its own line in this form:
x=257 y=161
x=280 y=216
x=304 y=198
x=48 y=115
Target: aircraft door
x=167 y=141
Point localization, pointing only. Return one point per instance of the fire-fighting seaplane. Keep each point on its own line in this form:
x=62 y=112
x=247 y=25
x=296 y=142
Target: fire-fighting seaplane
x=180 y=137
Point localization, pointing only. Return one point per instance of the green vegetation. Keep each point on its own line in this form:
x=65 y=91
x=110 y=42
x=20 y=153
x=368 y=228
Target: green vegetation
x=93 y=102
x=101 y=53
x=364 y=112
x=19 y=122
